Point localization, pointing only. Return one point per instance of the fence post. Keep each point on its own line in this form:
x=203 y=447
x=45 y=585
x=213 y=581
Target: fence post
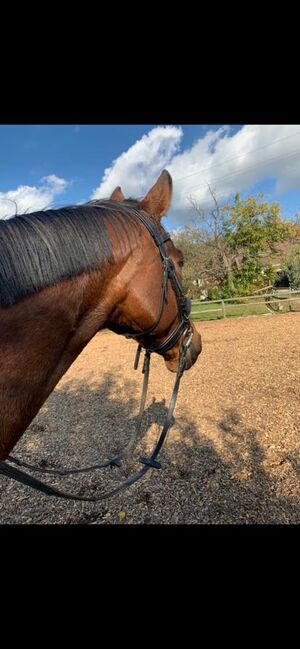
x=223 y=309
x=290 y=295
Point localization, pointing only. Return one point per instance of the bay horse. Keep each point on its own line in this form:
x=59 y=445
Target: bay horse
x=66 y=274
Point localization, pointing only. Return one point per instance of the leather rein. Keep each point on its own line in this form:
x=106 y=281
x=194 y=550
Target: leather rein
x=183 y=329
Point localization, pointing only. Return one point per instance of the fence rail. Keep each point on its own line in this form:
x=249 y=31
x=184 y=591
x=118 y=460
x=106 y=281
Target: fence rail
x=273 y=302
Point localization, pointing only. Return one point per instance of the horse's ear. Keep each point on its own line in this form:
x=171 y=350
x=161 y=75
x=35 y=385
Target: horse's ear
x=117 y=195
x=158 y=199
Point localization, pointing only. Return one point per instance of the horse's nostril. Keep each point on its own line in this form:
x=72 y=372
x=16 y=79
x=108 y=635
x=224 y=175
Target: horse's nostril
x=188 y=305
x=188 y=359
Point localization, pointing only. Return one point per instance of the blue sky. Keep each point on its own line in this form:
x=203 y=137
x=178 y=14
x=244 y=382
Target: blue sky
x=42 y=166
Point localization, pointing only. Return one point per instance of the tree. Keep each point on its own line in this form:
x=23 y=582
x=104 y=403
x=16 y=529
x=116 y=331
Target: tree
x=196 y=263
x=292 y=268
x=238 y=234
x=211 y=230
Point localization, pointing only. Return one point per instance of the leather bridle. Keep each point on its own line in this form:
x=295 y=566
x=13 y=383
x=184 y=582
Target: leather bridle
x=183 y=303
x=182 y=330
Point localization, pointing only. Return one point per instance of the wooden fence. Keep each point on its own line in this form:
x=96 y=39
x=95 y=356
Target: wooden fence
x=282 y=300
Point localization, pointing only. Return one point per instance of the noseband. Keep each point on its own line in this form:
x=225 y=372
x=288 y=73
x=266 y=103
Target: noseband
x=183 y=329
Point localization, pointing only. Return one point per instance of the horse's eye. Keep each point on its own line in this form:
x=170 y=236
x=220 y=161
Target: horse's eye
x=181 y=263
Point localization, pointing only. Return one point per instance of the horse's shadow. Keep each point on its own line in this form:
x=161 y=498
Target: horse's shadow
x=91 y=421
x=83 y=422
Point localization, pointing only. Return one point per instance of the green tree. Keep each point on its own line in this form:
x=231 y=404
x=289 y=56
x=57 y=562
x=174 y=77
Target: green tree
x=292 y=268
x=238 y=234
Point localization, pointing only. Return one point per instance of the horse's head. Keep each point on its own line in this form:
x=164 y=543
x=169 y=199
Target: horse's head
x=156 y=317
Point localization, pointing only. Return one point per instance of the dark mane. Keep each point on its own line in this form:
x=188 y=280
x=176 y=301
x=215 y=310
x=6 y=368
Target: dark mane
x=43 y=248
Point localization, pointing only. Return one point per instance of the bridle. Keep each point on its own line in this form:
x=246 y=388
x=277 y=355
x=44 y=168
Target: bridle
x=182 y=330
x=183 y=303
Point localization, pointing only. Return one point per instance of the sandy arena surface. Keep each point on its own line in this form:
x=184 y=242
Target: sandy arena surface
x=232 y=454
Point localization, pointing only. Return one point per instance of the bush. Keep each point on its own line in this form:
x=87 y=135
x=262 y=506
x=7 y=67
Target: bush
x=292 y=269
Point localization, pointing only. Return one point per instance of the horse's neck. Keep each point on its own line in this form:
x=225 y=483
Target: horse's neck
x=40 y=338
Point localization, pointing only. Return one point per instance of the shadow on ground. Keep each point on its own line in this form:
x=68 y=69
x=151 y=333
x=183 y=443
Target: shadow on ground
x=81 y=423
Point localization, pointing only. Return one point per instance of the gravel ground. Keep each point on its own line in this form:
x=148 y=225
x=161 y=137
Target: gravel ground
x=232 y=454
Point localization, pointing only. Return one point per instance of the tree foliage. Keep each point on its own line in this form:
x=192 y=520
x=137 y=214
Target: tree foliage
x=225 y=245
x=292 y=268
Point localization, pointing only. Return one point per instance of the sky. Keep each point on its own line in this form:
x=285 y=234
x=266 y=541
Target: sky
x=44 y=166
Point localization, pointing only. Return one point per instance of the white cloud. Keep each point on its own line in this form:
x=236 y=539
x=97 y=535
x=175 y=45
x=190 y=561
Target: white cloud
x=135 y=169
x=228 y=162
x=31 y=199
x=255 y=153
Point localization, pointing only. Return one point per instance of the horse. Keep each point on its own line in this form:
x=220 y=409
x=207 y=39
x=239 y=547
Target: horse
x=65 y=275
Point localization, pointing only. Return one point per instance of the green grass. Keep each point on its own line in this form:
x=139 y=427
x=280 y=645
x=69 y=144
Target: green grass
x=209 y=311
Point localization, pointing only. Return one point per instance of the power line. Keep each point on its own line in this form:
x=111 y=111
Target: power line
x=239 y=173
x=236 y=157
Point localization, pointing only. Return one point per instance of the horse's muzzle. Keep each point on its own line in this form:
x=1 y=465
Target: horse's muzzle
x=193 y=350
x=191 y=354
